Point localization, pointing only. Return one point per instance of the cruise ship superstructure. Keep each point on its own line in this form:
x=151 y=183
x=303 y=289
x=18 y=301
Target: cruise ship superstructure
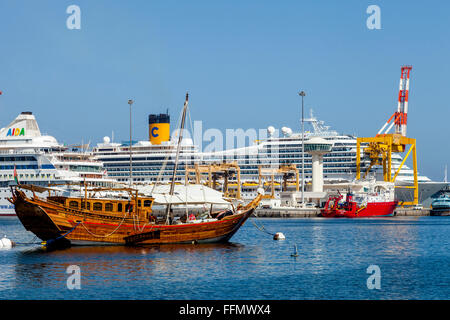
x=154 y=160
x=42 y=161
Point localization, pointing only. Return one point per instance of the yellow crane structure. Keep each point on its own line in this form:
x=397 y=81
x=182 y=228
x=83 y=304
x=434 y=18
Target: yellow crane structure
x=214 y=171
x=380 y=148
x=285 y=170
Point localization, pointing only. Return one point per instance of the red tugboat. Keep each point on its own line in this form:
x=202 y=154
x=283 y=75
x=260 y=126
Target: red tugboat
x=375 y=204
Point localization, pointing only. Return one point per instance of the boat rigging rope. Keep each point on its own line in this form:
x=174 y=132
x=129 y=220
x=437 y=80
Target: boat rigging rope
x=31 y=242
x=144 y=225
x=261 y=228
x=104 y=236
x=50 y=241
x=136 y=224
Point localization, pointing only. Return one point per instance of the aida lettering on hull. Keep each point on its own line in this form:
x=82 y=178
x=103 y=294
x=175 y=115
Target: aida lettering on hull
x=16 y=132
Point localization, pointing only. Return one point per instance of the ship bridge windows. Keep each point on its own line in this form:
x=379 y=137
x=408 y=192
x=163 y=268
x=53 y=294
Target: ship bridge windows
x=108 y=206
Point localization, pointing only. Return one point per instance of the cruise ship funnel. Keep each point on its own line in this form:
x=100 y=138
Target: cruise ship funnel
x=159 y=128
x=24 y=126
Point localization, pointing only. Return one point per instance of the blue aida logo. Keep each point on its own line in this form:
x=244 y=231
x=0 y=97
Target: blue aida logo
x=153 y=132
x=16 y=132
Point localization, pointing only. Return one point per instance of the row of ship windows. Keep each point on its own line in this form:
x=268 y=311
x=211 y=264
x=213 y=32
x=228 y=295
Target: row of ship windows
x=16 y=159
x=26 y=175
x=349 y=159
x=98 y=206
x=282 y=154
x=83 y=168
x=7 y=183
x=299 y=146
x=127 y=164
x=143 y=158
x=143 y=174
x=147 y=179
x=27 y=166
x=149 y=166
x=126 y=168
x=243 y=172
x=230 y=179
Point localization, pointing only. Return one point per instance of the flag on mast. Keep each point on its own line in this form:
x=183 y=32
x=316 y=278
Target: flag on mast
x=15 y=175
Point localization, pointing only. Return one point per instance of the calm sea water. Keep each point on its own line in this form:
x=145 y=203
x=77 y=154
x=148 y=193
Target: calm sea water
x=413 y=255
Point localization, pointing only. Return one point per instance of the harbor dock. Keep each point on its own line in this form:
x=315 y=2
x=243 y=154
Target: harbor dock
x=311 y=213
x=286 y=212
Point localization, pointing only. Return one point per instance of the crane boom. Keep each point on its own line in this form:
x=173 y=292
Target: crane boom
x=380 y=148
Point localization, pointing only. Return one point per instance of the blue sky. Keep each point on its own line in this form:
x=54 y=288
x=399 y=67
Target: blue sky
x=243 y=63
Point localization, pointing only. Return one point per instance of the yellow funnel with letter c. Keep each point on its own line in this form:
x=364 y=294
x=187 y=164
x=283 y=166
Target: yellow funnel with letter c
x=158 y=128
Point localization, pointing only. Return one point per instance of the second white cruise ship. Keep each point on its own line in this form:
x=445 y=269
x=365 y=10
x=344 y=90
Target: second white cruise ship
x=153 y=159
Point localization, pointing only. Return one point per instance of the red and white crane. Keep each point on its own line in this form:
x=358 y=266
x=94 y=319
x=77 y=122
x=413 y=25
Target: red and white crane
x=380 y=148
x=400 y=117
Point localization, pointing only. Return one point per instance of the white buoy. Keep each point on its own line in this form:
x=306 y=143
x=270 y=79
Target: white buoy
x=5 y=243
x=279 y=236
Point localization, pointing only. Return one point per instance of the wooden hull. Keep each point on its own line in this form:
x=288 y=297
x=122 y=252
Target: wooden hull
x=50 y=221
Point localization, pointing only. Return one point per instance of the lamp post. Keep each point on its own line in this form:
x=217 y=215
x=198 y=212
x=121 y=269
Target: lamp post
x=130 y=102
x=303 y=94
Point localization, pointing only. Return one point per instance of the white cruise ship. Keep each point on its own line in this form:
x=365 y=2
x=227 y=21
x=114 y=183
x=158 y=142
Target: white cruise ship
x=41 y=160
x=339 y=165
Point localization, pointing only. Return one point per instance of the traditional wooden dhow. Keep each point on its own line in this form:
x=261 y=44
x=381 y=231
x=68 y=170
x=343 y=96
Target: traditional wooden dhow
x=108 y=220
x=124 y=216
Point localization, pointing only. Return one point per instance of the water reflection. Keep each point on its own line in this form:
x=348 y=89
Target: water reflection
x=122 y=264
x=332 y=262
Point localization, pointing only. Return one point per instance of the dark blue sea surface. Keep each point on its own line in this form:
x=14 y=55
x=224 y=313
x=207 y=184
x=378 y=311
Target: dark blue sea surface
x=413 y=255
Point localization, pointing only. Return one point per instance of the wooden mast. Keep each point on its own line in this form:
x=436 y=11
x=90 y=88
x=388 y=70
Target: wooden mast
x=180 y=137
